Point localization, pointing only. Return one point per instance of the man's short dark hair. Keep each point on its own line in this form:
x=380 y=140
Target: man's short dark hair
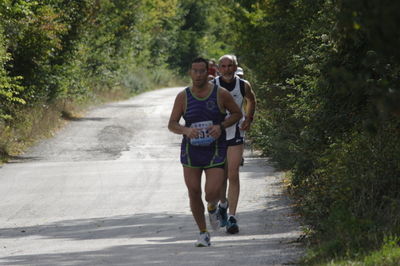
x=200 y=60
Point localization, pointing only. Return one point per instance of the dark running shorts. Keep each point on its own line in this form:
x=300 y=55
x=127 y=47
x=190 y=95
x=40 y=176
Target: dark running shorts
x=203 y=156
x=235 y=141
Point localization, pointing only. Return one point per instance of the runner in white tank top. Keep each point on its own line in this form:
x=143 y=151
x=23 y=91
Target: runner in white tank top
x=234 y=134
x=235 y=138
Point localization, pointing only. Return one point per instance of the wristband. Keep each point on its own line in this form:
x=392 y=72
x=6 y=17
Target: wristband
x=222 y=127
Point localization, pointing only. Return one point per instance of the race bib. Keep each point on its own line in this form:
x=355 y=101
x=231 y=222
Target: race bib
x=204 y=139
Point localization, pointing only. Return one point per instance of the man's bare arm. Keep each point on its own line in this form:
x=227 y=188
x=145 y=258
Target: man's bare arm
x=227 y=103
x=176 y=114
x=250 y=106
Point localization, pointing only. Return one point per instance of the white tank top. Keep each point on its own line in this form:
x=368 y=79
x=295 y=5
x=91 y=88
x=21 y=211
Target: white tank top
x=238 y=97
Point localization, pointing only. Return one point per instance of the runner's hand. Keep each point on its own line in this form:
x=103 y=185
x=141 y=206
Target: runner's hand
x=214 y=131
x=191 y=133
x=245 y=125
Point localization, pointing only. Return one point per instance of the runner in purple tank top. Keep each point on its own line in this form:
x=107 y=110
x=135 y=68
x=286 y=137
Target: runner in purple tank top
x=203 y=107
x=203 y=151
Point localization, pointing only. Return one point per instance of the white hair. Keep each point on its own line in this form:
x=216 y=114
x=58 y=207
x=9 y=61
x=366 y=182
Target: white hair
x=230 y=57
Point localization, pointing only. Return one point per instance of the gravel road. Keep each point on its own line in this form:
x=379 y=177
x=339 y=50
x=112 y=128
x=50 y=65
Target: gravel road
x=108 y=189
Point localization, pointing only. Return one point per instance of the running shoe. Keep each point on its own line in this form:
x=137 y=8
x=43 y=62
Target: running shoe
x=213 y=215
x=222 y=216
x=232 y=227
x=204 y=240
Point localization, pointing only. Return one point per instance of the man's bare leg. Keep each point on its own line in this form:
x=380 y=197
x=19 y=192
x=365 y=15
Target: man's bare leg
x=234 y=157
x=193 y=183
x=214 y=181
x=222 y=196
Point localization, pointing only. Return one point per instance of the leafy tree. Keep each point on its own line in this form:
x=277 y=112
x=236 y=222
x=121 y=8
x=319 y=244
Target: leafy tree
x=10 y=89
x=33 y=34
x=326 y=79
x=192 y=28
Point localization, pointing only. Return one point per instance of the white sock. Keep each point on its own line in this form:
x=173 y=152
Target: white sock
x=223 y=204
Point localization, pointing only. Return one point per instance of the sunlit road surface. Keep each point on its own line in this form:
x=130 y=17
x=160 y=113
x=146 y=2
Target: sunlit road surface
x=108 y=190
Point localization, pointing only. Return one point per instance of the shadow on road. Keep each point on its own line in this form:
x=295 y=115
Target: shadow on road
x=78 y=119
x=157 y=238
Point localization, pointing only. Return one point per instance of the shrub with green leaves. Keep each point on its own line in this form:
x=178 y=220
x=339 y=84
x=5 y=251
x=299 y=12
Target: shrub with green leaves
x=10 y=89
x=326 y=75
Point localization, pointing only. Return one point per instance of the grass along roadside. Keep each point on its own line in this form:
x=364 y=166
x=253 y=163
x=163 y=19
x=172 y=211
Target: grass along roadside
x=324 y=252
x=362 y=247
x=343 y=239
x=387 y=255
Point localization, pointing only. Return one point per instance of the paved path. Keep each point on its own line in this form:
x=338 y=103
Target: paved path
x=108 y=190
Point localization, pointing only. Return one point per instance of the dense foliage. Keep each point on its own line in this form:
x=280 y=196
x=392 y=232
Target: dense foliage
x=55 y=53
x=329 y=94
x=65 y=49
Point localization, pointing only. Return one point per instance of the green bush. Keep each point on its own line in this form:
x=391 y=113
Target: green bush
x=57 y=54
x=10 y=89
x=326 y=75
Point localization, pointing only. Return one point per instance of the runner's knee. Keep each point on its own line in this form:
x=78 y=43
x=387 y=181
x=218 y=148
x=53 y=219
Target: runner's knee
x=212 y=195
x=233 y=169
x=194 y=193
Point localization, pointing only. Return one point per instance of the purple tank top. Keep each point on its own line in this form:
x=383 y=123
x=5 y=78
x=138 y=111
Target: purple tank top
x=201 y=113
